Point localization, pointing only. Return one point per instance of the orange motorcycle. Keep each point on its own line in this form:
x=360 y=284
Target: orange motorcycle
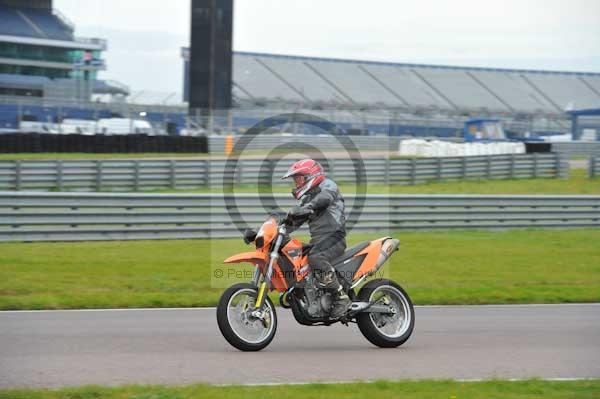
x=246 y=315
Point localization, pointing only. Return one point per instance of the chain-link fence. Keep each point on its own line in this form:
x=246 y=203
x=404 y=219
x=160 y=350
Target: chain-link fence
x=174 y=119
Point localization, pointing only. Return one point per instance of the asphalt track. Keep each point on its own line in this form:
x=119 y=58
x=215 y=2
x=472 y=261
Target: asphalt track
x=179 y=346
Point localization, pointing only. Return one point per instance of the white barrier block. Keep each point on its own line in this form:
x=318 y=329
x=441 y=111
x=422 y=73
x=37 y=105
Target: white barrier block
x=437 y=148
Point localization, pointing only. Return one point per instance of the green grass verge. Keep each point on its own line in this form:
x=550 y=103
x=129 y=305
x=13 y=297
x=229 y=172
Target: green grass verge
x=495 y=389
x=579 y=157
x=459 y=267
x=577 y=184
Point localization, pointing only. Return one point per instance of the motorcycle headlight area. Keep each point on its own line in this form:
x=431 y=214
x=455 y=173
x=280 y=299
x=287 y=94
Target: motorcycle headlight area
x=259 y=241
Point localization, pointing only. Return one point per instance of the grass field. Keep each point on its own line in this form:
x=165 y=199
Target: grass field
x=530 y=389
x=577 y=183
x=476 y=267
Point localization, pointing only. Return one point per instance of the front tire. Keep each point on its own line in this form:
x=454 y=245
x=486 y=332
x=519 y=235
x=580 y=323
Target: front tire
x=386 y=330
x=238 y=326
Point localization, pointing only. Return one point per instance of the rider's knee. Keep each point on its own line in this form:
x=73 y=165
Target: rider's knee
x=316 y=261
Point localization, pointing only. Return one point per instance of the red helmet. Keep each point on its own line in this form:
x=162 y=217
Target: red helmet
x=307 y=174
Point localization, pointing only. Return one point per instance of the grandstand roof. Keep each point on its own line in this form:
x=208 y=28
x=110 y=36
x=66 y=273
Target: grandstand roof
x=259 y=77
x=36 y=23
x=409 y=64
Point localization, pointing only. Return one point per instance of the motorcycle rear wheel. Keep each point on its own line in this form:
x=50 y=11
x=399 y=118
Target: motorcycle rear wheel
x=386 y=330
x=238 y=326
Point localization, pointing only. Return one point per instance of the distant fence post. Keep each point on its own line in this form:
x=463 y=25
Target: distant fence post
x=386 y=171
x=562 y=165
x=463 y=168
x=488 y=171
x=238 y=171
x=512 y=166
x=172 y=174
x=413 y=171
x=207 y=181
x=592 y=167
x=535 y=164
x=438 y=174
x=18 y=180
x=98 y=175
x=136 y=175
x=59 y=175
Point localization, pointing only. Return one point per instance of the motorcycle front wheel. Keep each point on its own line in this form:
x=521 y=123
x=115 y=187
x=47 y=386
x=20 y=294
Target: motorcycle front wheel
x=239 y=326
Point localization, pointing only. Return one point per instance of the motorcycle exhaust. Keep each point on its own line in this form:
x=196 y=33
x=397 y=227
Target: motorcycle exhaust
x=387 y=249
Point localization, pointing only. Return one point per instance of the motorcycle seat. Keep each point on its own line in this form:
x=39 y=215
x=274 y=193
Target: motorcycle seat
x=347 y=265
x=350 y=252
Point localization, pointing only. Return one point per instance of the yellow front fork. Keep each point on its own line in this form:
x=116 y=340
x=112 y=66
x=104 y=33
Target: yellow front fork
x=261 y=295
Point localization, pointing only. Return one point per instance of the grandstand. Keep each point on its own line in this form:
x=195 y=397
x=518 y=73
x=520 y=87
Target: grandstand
x=41 y=57
x=325 y=83
x=411 y=99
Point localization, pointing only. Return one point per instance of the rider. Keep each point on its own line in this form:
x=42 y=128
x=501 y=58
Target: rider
x=321 y=197
x=322 y=204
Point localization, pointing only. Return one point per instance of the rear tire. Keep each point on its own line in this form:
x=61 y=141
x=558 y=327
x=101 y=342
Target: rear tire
x=227 y=313
x=368 y=323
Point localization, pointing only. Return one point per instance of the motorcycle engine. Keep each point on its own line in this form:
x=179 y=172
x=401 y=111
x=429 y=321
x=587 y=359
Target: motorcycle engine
x=318 y=301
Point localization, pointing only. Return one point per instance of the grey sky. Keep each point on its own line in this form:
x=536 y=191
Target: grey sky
x=145 y=35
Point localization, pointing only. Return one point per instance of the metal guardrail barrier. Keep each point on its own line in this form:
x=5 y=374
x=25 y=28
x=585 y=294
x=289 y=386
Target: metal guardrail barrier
x=30 y=216
x=586 y=148
x=594 y=167
x=144 y=174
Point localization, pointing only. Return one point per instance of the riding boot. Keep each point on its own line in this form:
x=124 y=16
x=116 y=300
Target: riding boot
x=341 y=300
x=341 y=303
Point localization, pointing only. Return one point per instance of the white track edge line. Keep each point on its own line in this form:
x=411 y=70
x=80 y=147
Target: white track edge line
x=213 y=308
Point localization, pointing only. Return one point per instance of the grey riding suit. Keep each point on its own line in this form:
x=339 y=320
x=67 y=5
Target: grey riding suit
x=327 y=225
